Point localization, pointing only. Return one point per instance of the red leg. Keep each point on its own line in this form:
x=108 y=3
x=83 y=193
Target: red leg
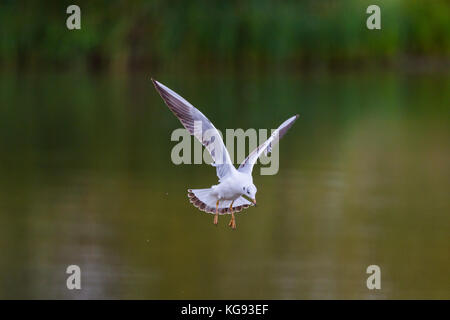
x=216 y=216
x=232 y=223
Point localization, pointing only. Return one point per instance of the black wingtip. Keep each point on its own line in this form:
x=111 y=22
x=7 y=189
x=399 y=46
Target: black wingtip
x=156 y=84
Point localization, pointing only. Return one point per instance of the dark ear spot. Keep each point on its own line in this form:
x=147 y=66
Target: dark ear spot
x=243 y=188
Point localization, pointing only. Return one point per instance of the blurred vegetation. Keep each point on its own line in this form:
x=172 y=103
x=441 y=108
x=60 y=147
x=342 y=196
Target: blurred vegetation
x=119 y=35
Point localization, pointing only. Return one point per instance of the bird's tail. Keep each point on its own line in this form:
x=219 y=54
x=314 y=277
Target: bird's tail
x=205 y=200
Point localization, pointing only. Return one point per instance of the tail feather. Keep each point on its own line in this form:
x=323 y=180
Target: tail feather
x=205 y=200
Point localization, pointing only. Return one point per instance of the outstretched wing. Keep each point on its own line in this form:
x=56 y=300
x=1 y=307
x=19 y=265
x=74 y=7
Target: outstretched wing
x=247 y=165
x=199 y=126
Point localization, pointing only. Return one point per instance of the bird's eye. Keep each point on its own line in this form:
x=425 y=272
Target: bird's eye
x=248 y=192
x=243 y=188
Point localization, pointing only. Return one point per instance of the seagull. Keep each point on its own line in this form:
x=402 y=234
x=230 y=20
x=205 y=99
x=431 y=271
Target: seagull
x=235 y=185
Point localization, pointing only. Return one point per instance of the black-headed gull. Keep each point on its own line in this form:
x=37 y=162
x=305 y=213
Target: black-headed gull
x=228 y=196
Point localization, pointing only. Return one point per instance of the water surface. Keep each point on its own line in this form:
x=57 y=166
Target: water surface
x=86 y=179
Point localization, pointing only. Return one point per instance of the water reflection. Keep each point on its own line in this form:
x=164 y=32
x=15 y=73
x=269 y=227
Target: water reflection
x=86 y=179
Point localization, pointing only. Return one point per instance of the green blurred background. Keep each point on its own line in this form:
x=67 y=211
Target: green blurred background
x=85 y=170
x=122 y=35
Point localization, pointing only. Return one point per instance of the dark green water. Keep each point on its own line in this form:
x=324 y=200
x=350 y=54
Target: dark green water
x=86 y=178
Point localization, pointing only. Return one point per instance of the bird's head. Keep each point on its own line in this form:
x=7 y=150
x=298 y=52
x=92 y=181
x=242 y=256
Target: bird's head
x=250 y=192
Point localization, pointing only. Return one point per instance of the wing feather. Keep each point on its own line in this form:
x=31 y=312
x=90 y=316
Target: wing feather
x=199 y=126
x=247 y=165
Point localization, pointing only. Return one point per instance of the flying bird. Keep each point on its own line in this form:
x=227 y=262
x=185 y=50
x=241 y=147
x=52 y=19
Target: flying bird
x=235 y=185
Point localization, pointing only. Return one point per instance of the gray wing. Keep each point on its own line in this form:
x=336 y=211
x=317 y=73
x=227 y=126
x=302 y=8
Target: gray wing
x=199 y=126
x=247 y=165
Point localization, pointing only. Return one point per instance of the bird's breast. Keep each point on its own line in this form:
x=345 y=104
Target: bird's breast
x=229 y=190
